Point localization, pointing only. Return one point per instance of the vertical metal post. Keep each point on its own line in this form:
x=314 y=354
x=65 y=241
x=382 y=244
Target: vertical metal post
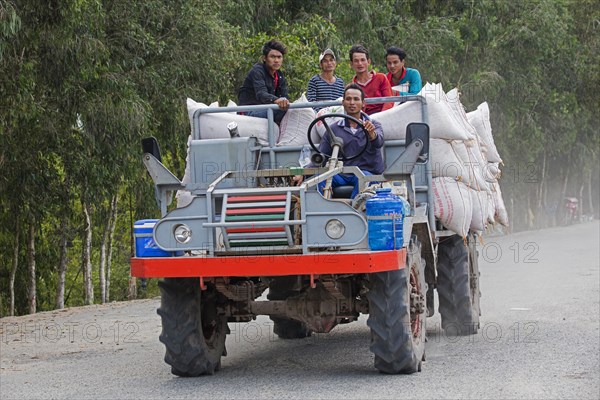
x=428 y=171
x=271 y=137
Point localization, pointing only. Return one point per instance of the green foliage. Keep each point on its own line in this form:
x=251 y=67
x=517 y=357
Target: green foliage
x=82 y=82
x=304 y=42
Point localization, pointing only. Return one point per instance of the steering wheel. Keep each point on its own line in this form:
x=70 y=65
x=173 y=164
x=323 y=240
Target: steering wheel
x=332 y=137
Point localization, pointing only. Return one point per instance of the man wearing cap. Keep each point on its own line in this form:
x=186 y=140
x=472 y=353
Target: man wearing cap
x=373 y=84
x=265 y=84
x=407 y=80
x=325 y=86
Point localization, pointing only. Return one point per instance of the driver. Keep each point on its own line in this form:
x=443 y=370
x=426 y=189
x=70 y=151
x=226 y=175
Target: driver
x=371 y=161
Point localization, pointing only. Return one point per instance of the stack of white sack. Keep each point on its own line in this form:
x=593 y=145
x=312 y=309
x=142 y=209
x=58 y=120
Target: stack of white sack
x=294 y=128
x=443 y=119
x=489 y=162
x=481 y=161
x=463 y=158
x=214 y=125
x=292 y=131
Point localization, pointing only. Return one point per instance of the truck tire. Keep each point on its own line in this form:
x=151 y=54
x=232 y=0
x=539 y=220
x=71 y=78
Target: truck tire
x=286 y=328
x=458 y=285
x=192 y=330
x=397 y=315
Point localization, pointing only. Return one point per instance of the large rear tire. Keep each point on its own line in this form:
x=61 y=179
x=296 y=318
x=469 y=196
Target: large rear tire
x=193 y=332
x=397 y=315
x=458 y=285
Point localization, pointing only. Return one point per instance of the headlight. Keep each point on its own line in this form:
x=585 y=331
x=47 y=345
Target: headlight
x=335 y=229
x=182 y=233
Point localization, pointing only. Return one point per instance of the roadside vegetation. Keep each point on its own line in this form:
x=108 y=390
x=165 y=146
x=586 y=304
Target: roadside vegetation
x=81 y=82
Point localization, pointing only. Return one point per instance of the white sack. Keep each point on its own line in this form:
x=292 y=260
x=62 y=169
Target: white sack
x=445 y=122
x=480 y=119
x=452 y=205
x=394 y=120
x=479 y=217
x=294 y=125
x=453 y=98
x=491 y=217
x=474 y=175
x=486 y=172
x=214 y=126
x=319 y=127
x=444 y=160
x=405 y=87
x=501 y=215
x=492 y=172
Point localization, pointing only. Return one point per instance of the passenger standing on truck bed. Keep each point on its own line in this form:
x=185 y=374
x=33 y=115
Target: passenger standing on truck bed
x=373 y=84
x=325 y=86
x=265 y=84
x=371 y=161
x=409 y=79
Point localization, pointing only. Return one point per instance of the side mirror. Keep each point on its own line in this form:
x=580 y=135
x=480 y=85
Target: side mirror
x=419 y=130
x=150 y=145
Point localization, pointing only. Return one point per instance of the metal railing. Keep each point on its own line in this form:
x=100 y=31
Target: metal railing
x=197 y=134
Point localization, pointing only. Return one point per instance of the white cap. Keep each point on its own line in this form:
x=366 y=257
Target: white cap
x=323 y=54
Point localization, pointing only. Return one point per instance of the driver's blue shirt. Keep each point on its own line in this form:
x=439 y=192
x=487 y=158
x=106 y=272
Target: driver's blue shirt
x=371 y=160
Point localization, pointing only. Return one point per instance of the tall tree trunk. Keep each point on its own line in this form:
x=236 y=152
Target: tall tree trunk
x=113 y=219
x=86 y=258
x=548 y=208
x=32 y=289
x=590 y=192
x=541 y=206
x=102 y=265
x=565 y=181
x=529 y=212
x=15 y=265
x=132 y=292
x=62 y=266
x=104 y=248
x=580 y=197
x=511 y=218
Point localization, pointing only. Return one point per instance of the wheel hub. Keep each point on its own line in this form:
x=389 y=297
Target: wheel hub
x=417 y=304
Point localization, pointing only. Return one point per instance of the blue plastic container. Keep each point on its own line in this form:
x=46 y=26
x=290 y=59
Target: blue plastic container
x=145 y=246
x=385 y=216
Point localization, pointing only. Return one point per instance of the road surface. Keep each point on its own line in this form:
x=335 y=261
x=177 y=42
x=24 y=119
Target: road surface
x=539 y=339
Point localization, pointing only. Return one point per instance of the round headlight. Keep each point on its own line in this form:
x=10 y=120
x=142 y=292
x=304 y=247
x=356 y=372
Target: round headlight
x=182 y=233
x=335 y=229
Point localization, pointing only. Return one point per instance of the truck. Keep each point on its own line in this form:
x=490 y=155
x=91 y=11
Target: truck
x=248 y=231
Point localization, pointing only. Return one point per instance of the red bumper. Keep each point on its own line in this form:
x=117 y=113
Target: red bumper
x=270 y=265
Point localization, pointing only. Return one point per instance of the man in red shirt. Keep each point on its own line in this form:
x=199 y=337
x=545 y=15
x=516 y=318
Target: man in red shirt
x=373 y=84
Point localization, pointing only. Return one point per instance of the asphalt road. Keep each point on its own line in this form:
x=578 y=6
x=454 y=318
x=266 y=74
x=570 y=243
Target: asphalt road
x=539 y=339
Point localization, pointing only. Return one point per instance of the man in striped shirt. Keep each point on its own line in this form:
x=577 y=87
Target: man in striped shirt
x=325 y=86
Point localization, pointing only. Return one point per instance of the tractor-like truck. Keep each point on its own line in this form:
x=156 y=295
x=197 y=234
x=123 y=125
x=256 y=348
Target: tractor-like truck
x=249 y=230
